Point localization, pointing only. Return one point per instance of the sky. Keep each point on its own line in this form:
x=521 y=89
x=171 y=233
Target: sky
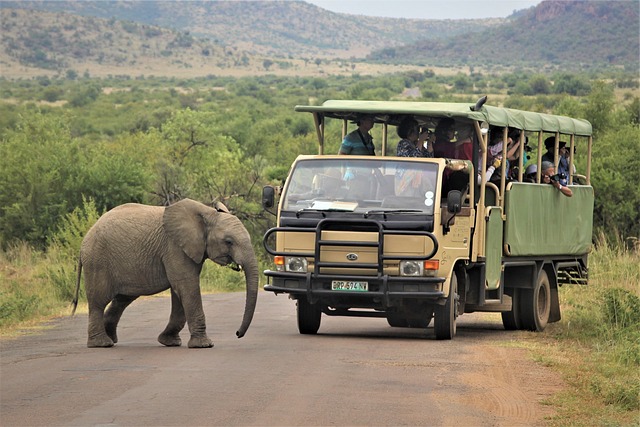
x=427 y=9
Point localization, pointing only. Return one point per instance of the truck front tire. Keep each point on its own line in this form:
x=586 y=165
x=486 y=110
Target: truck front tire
x=444 y=323
x=309 y=316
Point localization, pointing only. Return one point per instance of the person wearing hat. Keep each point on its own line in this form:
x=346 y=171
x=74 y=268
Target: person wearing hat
x=563 y=154
x=530 y=173
x=359 y=142
x=445 y=132
x=549 y=176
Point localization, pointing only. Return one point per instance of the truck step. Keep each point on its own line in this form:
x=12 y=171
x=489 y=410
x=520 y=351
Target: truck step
x=492 y=305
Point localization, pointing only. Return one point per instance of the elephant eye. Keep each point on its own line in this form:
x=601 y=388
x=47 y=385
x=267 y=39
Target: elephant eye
x=228 y=241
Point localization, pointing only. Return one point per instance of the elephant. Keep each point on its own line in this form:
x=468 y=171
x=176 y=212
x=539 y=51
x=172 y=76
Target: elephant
x=134 y=250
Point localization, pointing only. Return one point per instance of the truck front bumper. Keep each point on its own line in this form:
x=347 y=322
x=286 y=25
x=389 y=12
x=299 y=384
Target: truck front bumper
x=382 y=287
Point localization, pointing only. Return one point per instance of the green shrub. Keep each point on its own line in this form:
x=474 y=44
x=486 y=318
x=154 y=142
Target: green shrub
x=621 y=309
x=68 y=238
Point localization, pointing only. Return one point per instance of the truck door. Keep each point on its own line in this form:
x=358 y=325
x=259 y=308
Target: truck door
x=493 y=247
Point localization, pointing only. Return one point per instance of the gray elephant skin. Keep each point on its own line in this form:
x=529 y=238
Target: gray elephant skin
x=135 y=250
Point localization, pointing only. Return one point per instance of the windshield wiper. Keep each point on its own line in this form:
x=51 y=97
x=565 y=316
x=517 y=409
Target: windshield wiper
x=322 y=211
x=384 y=212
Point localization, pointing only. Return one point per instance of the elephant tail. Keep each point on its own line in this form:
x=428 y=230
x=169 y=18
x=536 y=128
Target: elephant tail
x=75 y=299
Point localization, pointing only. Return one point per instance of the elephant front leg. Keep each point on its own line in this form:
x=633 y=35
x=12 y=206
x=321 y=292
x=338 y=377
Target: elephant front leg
x=192 y=304
x=171 y=334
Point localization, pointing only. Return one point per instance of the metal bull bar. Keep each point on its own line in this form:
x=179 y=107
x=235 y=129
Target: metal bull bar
x=354 y=224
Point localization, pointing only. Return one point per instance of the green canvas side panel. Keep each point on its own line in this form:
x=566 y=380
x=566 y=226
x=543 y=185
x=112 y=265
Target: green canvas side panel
x=493 y=248
x=542 y=221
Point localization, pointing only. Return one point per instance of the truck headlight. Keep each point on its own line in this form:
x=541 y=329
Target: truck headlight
x=411 y=268
x=295 y=264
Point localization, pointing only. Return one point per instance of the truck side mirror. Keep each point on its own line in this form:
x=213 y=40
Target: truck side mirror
x=268 y=196
x=454 y=201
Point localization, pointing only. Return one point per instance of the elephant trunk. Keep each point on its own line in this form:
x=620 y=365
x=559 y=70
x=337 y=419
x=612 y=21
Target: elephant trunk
x=251 y=275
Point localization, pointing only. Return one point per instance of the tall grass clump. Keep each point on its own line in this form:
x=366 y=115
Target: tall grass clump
x=37 y=284
x=600 y=332
x=25 y=292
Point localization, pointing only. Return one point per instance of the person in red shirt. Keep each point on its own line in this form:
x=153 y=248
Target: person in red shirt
x=463 y=147
x=445 y=131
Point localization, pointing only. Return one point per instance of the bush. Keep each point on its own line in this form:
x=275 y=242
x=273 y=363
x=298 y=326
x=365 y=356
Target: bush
x=621 y=309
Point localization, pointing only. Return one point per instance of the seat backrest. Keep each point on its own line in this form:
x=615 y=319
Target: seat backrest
x=386 y=185
x=491 y=195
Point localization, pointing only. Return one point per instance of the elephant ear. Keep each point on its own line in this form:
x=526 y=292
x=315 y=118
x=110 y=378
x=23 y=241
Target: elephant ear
x=184 y=223
x=220 y=207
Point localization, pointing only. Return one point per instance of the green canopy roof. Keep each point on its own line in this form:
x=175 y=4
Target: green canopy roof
x=495 y=116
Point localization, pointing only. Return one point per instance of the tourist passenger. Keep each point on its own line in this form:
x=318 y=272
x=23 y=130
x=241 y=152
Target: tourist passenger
x=445 y=131
x=412 y=142
x=360 y=141
x=495 y=152
x=464 y=144
x=549 y=177
x=531 y=173
x=563 y=157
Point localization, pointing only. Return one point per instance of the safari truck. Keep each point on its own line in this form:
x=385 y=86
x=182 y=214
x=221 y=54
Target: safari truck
x=419 y=239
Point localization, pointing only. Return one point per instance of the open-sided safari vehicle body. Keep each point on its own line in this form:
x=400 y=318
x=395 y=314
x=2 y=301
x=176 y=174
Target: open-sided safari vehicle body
x=416 y=239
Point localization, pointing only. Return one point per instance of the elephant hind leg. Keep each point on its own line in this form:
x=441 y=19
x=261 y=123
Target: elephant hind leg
x=171 y=334
x=114 y=313
x=97 y=334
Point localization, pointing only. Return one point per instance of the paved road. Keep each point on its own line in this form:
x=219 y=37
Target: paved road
x=354 y=372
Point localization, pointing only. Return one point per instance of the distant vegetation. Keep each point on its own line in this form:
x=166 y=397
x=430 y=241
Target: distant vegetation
x=158 y=140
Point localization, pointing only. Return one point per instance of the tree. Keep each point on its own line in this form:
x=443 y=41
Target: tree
x=615 y=177
x=571 y=84
x=539 y=84
x=599 y=107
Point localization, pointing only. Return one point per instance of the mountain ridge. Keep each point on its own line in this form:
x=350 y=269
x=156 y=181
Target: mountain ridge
x=295 y=37
x=574 y=32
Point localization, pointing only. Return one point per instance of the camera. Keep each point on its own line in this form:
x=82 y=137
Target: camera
x=558 y=177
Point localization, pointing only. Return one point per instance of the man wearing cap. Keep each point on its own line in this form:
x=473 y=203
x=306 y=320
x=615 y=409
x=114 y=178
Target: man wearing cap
x=549 y=176
x=563 y=154
x=359 y=142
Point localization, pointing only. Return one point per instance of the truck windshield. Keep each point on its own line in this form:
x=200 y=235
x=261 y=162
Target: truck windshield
x=348 y=184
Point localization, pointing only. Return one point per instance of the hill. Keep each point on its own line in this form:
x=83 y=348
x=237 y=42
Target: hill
x=279 y=29
x=574 y=34
x=200 y=38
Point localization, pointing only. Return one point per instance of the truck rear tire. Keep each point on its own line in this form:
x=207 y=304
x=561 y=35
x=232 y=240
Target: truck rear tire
x=444 y=323
x=511 y=319
x=535 y=304
x=309 y=316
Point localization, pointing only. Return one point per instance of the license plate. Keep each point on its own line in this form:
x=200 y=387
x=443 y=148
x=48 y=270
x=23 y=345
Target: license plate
x=340 y=285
